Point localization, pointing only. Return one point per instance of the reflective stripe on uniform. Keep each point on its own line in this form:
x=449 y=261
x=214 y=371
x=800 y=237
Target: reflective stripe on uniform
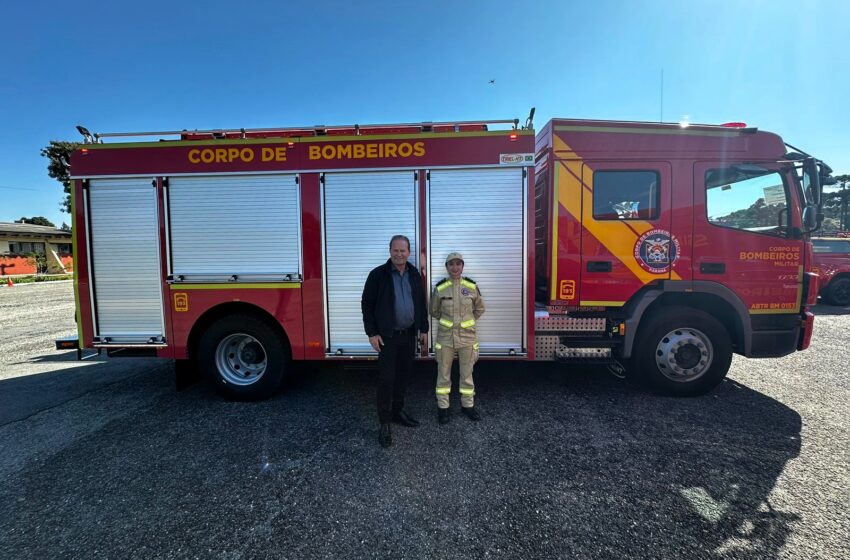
x=466 y=324
x=437 y=345
x=467 y=392
x=444 y=390
x=446 y=323
x=444 y=285
x=475 y=346
x=468 y=284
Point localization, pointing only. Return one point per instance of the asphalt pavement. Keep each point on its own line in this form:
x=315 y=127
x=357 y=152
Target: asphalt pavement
x=105 y=459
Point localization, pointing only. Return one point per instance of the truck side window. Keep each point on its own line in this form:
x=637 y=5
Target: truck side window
x=747 y=201
x=625 y=195
x=829 y=246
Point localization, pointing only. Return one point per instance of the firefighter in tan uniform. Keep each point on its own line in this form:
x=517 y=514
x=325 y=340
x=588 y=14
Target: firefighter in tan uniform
x=457 y=304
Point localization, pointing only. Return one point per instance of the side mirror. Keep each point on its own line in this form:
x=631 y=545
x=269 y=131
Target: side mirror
x=812 y=173
x=810 y=218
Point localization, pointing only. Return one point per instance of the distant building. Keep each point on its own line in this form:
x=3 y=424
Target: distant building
x=18 y=242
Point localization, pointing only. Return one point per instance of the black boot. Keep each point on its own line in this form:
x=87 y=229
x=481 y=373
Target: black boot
x=443 y=415
x=385 y=436
x=471 y=413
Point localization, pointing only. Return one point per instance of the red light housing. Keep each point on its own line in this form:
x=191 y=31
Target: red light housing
x=734 y=125
x=84 y=151
x=807 y=326
x=513 y=136
x=812 y=282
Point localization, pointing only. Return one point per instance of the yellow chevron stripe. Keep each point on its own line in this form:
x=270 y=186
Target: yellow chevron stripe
x=616 y=236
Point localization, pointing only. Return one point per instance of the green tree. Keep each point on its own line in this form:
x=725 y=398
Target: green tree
x=834 y=205
x=58 y=153
x=36 y=221
x=757 y=215
x=39 y=261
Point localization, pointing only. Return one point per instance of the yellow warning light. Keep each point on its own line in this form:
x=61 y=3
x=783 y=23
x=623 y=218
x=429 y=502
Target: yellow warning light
x=622 y=329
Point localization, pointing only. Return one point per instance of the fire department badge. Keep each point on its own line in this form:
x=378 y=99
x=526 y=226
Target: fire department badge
x=656 y=251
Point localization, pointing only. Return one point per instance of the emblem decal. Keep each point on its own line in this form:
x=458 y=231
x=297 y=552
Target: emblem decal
x=465 y=291
x=181 y=302
x=656 y=251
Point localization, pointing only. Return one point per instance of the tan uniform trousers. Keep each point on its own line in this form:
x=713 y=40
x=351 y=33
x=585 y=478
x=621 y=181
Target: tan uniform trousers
x=467 y=356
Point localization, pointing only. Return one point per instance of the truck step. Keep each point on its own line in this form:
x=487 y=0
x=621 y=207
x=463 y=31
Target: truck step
x=563 y=323
x=554 y=347
x=588 y=342
x=588 y=361
x=584 y=353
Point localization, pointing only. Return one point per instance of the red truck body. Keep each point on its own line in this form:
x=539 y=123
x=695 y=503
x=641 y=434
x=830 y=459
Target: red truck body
x=587 y=241
x=832 y=265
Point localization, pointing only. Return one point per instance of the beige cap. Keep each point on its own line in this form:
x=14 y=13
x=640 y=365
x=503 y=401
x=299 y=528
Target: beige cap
x=453 y=256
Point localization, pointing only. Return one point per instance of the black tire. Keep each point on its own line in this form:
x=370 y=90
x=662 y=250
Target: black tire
x=838 y=292
x=243 y=357
x=682 y=352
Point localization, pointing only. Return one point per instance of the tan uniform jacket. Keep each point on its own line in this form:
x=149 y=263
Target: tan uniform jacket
x=457 y=305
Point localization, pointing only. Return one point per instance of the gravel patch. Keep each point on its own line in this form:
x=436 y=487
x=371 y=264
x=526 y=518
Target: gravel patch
x=566 y=462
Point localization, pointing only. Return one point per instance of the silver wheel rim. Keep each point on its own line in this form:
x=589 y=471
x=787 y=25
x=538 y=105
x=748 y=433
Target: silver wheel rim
x=684 y=355
x=241 y=359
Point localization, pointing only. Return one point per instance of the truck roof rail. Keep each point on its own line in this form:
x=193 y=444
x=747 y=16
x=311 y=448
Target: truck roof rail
x=317 y=130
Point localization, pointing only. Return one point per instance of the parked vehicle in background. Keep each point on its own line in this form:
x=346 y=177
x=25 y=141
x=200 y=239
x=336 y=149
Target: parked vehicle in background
x=832 y=264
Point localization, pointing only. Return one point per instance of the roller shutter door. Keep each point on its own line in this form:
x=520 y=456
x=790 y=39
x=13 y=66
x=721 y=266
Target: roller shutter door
x=480 y=213
x=247 y=225
x=362 y=213
x=125 y=260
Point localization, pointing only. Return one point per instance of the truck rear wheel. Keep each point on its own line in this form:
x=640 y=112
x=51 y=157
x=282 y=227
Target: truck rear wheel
x=683 y=352
x=243 y=357
x=838 y=292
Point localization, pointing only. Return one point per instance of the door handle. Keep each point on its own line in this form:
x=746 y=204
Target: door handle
x=599 y=266
x=712 y=268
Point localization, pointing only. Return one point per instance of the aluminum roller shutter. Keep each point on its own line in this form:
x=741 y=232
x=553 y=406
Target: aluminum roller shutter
x=248 y=225
x=362 y=213
x=125 y=260
x=479 y=212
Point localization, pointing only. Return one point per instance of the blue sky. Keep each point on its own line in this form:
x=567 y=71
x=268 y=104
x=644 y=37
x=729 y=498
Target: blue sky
x=781 y=65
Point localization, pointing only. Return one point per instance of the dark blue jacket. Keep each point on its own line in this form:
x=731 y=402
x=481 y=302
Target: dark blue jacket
x=378 y=300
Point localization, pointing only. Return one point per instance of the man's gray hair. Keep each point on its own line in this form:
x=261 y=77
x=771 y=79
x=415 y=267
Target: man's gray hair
x=397 y=238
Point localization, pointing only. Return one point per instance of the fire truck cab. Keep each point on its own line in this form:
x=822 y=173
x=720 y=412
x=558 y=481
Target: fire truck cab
x=683 y=243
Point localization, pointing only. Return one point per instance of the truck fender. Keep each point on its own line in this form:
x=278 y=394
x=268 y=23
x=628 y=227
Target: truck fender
x=637 y=307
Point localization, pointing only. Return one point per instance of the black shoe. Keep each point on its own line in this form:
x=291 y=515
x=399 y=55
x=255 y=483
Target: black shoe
x=444 y=415
x=471 y=413
x=385 y=436
x=405 y=419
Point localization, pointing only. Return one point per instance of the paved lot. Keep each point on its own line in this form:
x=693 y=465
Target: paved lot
x=104 y=459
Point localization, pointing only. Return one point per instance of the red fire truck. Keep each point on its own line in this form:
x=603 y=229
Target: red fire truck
x=650 y=248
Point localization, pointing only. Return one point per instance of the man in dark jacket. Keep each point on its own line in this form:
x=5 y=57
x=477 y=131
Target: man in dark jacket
x=394 y=313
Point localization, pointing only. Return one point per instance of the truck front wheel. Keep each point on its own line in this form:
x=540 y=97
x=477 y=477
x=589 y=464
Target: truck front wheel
x=243 y=357
x=683 y=352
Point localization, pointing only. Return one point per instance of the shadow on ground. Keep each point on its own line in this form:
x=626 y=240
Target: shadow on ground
x=824 y=309
x=563 y=464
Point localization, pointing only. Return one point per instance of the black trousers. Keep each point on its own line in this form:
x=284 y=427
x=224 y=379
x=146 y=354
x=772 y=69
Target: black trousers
x=394 y=365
